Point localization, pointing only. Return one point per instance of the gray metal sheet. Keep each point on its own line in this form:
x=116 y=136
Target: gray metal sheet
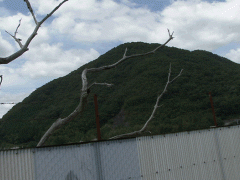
x=65 y=163
x=16 y=165
x=119 y=159
x=99 y=160
x=229 y=146
x=179 y=156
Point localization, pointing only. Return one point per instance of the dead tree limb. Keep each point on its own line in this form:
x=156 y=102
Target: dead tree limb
x=154 y=109
x=31 y=11
x=1 y=80
x=24 y=48
x=86 y=89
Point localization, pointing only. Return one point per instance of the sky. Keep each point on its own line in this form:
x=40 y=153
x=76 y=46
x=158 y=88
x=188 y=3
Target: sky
x=82 y=30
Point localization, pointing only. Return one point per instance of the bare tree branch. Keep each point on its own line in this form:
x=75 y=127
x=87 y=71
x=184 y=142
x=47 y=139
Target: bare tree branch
x=24 y=47
x=31 y=11
x=154 y=109
x=102 y=84
x=124 y=58
x=1 y=80
x=48 y=15
x=15 y=35
x=79 y=109
x=86 y=89
x=17 y=27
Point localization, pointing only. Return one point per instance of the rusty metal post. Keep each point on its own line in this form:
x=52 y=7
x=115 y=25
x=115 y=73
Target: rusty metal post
x=97 y=117
x=214 y=116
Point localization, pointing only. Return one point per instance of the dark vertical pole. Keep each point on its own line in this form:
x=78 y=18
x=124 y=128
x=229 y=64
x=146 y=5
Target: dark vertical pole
x=97 y=117
x=214 y=117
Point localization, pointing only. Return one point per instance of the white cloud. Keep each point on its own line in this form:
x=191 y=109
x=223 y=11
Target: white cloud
x=234 y=55
x=197 y=24
x=128 y=3
x=11 y=78
x=53 y=61
x=44 y=7
x=104 y=21
x=203 y=25
x=5 y=47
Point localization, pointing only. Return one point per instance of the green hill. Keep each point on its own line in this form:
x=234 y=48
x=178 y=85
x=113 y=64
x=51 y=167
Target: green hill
x=126 y=106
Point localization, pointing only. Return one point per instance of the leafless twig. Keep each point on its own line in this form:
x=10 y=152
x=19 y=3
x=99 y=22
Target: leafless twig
x=18 y=27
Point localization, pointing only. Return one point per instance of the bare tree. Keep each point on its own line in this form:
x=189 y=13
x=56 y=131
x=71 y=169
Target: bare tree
x=24 y=48
x=86 y=90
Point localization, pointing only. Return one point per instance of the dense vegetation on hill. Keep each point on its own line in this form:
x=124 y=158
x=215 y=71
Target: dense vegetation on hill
x=126 y=106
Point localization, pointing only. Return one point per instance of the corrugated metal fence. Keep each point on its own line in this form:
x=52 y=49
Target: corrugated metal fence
x=205 y=155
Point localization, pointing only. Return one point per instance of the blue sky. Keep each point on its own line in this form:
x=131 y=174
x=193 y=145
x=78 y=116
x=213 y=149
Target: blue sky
x=80 y=31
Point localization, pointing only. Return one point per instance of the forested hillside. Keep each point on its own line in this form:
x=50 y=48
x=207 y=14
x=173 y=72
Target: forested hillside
x=126 y=106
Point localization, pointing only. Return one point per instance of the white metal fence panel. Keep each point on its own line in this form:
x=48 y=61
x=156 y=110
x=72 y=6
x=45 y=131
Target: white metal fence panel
x=146 y=158
x=186 y=155
x=17 y=165
x=119 y=159
x=229 y=146
x=94 y=161
x=65 y=162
